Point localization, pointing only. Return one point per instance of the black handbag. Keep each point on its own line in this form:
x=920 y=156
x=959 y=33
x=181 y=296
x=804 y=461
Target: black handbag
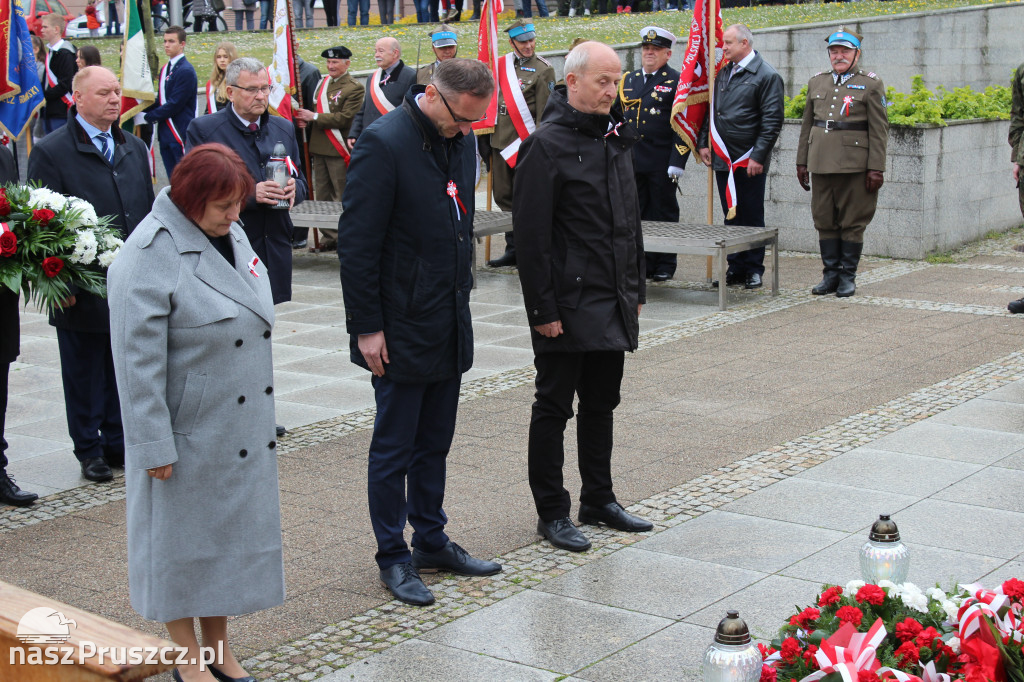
x=217 y=5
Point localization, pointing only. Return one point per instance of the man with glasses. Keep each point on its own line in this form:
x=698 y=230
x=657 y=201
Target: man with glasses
x=246 y=126
x=406 y=275
x=176 y=99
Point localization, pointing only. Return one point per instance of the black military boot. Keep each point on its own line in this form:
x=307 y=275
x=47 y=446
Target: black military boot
x=848 y=273
x=831 y=252
x=11 y=494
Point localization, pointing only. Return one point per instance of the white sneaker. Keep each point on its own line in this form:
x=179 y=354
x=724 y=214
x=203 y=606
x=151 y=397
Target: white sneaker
x=572 y=11
x=586 y=12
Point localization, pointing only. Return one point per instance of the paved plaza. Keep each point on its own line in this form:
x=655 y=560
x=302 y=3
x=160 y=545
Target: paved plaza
x=762 y=441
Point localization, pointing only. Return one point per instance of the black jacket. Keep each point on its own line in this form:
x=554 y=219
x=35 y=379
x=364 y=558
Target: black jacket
x=402 y=78
x=10 y=331
x=579 y=247
x=64 y=68
x=748 y=112
x=66 y=161
x=269 y=229
x=406 y=248
x=648 y=108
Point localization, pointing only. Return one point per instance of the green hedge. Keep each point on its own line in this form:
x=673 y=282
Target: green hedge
x=924 y=106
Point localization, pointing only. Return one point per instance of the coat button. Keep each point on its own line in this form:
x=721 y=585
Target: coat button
x=270 y=389
x=460 y=236
x=238 y=342
x=272 y=444
x=241 y=399
x=579 y=279
x=266 y=334
x=243 y=453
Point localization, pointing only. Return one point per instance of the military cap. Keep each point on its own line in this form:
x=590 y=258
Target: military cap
x=340 y=52
x=659 y=37
x=522 y=31
x=844 y=38
x=444 y=37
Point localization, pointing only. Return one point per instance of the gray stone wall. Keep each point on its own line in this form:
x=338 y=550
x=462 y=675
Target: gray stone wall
x=944 y=186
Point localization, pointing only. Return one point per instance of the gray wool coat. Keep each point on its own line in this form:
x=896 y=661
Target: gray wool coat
x=192 y=351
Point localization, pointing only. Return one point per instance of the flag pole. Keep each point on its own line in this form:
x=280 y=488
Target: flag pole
x=711 y=45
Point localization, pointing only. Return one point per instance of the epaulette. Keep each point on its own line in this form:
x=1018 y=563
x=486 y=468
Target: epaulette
x=821 y=73
x=869 y=74
x=542 y=59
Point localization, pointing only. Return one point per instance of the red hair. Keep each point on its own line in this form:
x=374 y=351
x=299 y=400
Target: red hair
x=210 y=172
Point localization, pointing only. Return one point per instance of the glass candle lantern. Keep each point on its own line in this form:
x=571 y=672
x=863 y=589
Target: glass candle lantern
x=883 y=556
x=732 y=657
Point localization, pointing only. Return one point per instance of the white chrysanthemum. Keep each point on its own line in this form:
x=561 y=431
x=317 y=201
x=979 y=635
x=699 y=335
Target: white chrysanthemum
x=954 y=644
x=112 y=242
x=887 y=584
x=915 y=600
x=910 y=588
x=86 y=213
x=45 y=198
x=951 y=610
x=936 y=594
x=107 y=257
x=853 y=586
x=85 y=248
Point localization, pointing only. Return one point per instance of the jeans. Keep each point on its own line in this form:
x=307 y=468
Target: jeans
x=387 y=11
x=542 y=8
x=265 y=9
x=422 y=10
x=303 y=7
x=113 y=23
x=248 y=12
x=364 y=12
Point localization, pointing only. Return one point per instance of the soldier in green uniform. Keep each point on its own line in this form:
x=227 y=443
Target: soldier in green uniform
x=841 y=155
x=521 y=101
x=445 y=45
x=338 y=98
x=1017 y=153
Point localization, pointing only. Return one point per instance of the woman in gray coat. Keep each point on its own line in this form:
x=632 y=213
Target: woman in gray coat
x=191 y=318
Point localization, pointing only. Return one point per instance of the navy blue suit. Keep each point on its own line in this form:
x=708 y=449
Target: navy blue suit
x=173 y=117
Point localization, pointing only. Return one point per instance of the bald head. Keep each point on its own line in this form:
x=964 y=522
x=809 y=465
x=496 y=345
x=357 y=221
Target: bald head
x=97 y=94
x=592 y=74
x=386 y=52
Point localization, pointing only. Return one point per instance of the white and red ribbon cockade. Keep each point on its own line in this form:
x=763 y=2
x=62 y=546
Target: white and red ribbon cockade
x=718 y=144
x=847 y=652
x=252 y=266
x=614 y=130
x=453 y=192
x=990 y=603
x=847 y=101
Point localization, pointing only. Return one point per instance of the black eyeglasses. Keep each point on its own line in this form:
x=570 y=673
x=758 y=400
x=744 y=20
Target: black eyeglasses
x=455 y=118
x=263 y=89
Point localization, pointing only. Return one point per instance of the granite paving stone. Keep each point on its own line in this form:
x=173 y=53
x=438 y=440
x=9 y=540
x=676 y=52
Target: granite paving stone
x=894 y=472
x=1000 y=488
x=674 y=654
x=933 y=438
x=986 y=414
x=765 y=605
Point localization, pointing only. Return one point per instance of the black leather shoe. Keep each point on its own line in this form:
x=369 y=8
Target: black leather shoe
x=452 y=558
x=563 y=534
x=661 y=277
x=299 y=244
x=224 y=678
x=731 y=279
x=507 y=259
x=407 y=586
x=614 y=516
x=753 y=281
x=97 y=470
x=11 y=494
x=1016 y=307
x=280 y=430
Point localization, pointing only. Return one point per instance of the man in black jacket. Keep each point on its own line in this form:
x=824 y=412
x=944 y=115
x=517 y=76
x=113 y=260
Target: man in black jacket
x=93 y=159
x=581 y=262
x=10 y=336
x=405 y=246
x=748 y=115
x=385 y=87
x=60 y=69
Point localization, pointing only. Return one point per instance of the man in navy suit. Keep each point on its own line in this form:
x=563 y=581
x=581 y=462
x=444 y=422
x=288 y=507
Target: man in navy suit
x=176 y=100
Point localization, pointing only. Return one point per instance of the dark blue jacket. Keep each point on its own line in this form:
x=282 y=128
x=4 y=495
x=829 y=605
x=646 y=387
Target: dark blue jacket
x=269 y=230
x=66 y=161
x=405 y=247
x=648 y=108
x=180 y=107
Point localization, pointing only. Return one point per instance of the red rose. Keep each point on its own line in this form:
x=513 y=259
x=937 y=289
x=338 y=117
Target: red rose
x=8 y=244
x=830 y=596
x=872 y=594
x=867 y=676
x=908 y=630
x=907 y=654
x=43 y=215
x=809 y=657
x=850 y=614
x=768 y=674
x=765 y=650
x=1014 y=588
x=927 y=636
x=5 y=206
x=808 y=616
x=790 y=649
x=52 y=266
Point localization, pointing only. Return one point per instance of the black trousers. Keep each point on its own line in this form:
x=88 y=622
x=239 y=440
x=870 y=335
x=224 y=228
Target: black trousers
x=5 y=368
x=658 y=202
x=749 y=211
x=90 y=394
x=331 y=12
x=596 y=378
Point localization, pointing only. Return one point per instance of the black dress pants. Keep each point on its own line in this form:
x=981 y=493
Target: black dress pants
x=750 y=212
x=5 y=368
x=657 y=195
x=595 y=377
x=90 y=394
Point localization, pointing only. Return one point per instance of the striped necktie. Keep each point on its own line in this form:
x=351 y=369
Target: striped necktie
x=108 y=147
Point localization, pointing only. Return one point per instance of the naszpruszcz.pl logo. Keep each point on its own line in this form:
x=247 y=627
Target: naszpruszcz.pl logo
x=50 y=630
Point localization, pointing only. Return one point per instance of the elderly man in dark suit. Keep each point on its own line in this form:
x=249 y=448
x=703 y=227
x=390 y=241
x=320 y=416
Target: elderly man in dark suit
x=10 y=493
x=93 y=159
x=748 y=113
x=385 y=87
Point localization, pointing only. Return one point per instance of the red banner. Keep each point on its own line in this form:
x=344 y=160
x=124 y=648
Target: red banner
x=692 y=96
x=488 y=54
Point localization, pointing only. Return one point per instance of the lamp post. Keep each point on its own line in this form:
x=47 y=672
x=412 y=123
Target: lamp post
x=732 y=657
x=883 y=556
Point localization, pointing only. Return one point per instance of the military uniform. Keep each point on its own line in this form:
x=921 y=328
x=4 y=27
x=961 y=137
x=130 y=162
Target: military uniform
x=344 y=99
x=425 y=73
x=1017 y=127
x=647 y=106
x=843 y=136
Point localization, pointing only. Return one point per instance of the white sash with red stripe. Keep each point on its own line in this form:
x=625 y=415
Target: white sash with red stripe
x=515 y=104
x=51 y=79
x=333 y=134
x=163 y=100
x=211 y=99
x=377 y=93
x=718 y=144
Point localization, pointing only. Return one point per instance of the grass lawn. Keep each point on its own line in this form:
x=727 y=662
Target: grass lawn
x=553 y=33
